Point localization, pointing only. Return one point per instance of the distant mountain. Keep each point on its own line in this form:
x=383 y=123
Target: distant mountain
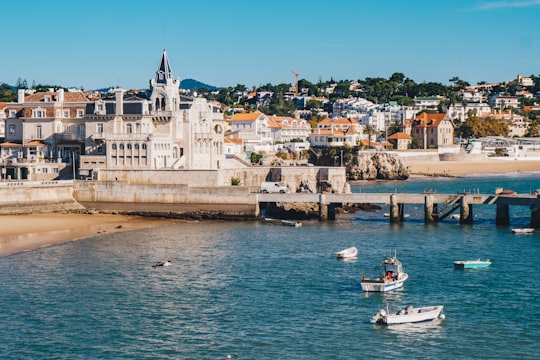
x=190 y=84
x=14 y=88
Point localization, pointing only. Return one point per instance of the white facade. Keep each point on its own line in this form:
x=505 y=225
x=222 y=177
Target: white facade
x=165 y=131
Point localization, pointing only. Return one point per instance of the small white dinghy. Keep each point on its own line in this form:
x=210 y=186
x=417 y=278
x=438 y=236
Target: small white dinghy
x=291 y=223
x=162 y=263
x=523 y=230
x=349 y=253
x=408 y=315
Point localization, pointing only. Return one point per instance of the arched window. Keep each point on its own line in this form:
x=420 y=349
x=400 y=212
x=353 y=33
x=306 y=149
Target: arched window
x=129 y=146
x=121 y=146
x=136 y=146
x=113 y=146
x=129 y=128
x=143 y=146
x=175 y=152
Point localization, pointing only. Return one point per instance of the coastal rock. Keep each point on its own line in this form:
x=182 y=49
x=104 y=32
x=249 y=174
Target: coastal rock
x=377 y=166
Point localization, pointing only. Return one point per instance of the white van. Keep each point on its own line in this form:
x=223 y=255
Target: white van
x=274 y=187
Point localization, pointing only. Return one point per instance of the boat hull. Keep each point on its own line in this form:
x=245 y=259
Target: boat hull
x=382 y=285
x=471 y=264
x=523 y=231
x=348 y=253
x=409 y=316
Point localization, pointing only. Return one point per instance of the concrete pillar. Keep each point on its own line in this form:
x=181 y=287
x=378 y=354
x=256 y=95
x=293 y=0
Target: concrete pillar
x=257 y=207
x=502 y=215
x=535 y=214
x=395 y=216
x=323 y=208
x=466 y=213
x=428 y=209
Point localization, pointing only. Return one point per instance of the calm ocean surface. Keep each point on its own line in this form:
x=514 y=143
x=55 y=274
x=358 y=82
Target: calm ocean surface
x=266 y=291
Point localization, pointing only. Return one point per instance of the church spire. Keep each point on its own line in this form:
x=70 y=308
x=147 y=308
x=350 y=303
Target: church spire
x=164 y=72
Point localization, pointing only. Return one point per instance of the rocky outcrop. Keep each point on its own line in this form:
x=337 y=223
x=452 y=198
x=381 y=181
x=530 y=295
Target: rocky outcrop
x=377 y=166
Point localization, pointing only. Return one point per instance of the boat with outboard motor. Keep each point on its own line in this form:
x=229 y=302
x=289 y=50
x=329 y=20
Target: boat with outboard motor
x=348 y=253
x=392 y=278
x=408 y=315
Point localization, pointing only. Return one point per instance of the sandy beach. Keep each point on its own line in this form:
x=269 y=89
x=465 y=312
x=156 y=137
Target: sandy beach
x=19 y=233
x=462 y=168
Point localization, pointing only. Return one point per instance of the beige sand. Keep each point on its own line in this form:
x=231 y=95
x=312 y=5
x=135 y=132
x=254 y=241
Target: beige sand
x=19 y=233
x=461 y=168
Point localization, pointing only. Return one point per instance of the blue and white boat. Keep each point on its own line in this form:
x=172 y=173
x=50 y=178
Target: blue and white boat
x=472 y=264
x=391 y=279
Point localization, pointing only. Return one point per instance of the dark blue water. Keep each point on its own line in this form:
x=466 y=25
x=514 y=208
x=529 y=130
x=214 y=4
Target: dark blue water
x=266 y=291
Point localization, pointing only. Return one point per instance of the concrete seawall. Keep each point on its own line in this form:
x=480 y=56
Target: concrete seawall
x=171 y=200
x=23 y=197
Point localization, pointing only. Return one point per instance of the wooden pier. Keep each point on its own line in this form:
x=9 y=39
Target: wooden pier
x=436 y=206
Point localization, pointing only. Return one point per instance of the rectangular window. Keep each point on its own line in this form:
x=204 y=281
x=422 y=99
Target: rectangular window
x=66 y=129
x=80 y=129
x=66 y=113
x=58 y=113
x=100 y=128
x=80 y=113
x=39 y=133
x=38 y=114
x=12 y=113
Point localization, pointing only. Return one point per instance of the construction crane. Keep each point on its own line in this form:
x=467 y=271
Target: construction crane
x=296 y=84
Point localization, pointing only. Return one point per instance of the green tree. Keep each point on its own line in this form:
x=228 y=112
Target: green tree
x=7 y=94
x=370 y=130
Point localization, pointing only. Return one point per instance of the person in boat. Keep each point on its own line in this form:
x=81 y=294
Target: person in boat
x=389 y=275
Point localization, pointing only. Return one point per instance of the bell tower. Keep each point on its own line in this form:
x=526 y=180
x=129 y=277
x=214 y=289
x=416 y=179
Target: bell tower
x=164 y=87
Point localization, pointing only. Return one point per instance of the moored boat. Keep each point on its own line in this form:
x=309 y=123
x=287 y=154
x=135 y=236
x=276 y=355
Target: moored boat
x=523 y=230
x=408 y=315
x=349 y=253
x=392 y=277
x=291 y=223
x=472 y=264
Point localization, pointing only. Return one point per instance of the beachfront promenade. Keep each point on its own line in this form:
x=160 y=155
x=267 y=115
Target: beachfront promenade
x=436 y=206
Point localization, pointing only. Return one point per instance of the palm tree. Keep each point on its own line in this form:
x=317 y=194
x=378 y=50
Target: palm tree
x=370 y=130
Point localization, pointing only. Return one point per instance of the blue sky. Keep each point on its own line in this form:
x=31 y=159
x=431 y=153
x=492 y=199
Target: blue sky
x=101 y=43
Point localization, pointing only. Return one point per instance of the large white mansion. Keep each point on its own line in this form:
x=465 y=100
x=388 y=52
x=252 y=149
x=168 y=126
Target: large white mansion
x=50 y=132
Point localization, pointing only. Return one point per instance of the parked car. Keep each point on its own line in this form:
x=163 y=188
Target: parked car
x=274 y=187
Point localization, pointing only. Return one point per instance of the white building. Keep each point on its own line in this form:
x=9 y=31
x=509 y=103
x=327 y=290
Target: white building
x=161 y=131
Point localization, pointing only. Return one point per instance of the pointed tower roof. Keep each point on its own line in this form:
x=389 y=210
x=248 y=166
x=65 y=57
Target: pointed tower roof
x=164 y=71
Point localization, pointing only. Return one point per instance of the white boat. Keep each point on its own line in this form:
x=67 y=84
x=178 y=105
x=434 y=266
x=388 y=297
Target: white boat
x=523 y=230
x=349 y=253
x=455 y=216
x=392 y=278
x=162 y=263
x=408 y=315
x=404 y=215
x=472 y=264
x=291 y=223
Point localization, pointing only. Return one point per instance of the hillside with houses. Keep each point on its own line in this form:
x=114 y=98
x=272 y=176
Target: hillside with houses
x=58 y=133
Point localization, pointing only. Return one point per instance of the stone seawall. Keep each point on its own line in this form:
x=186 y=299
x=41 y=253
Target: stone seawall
x=169 y=200
x=23 y=197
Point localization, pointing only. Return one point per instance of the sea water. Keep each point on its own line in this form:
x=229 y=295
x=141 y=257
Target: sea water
x=259 y=290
